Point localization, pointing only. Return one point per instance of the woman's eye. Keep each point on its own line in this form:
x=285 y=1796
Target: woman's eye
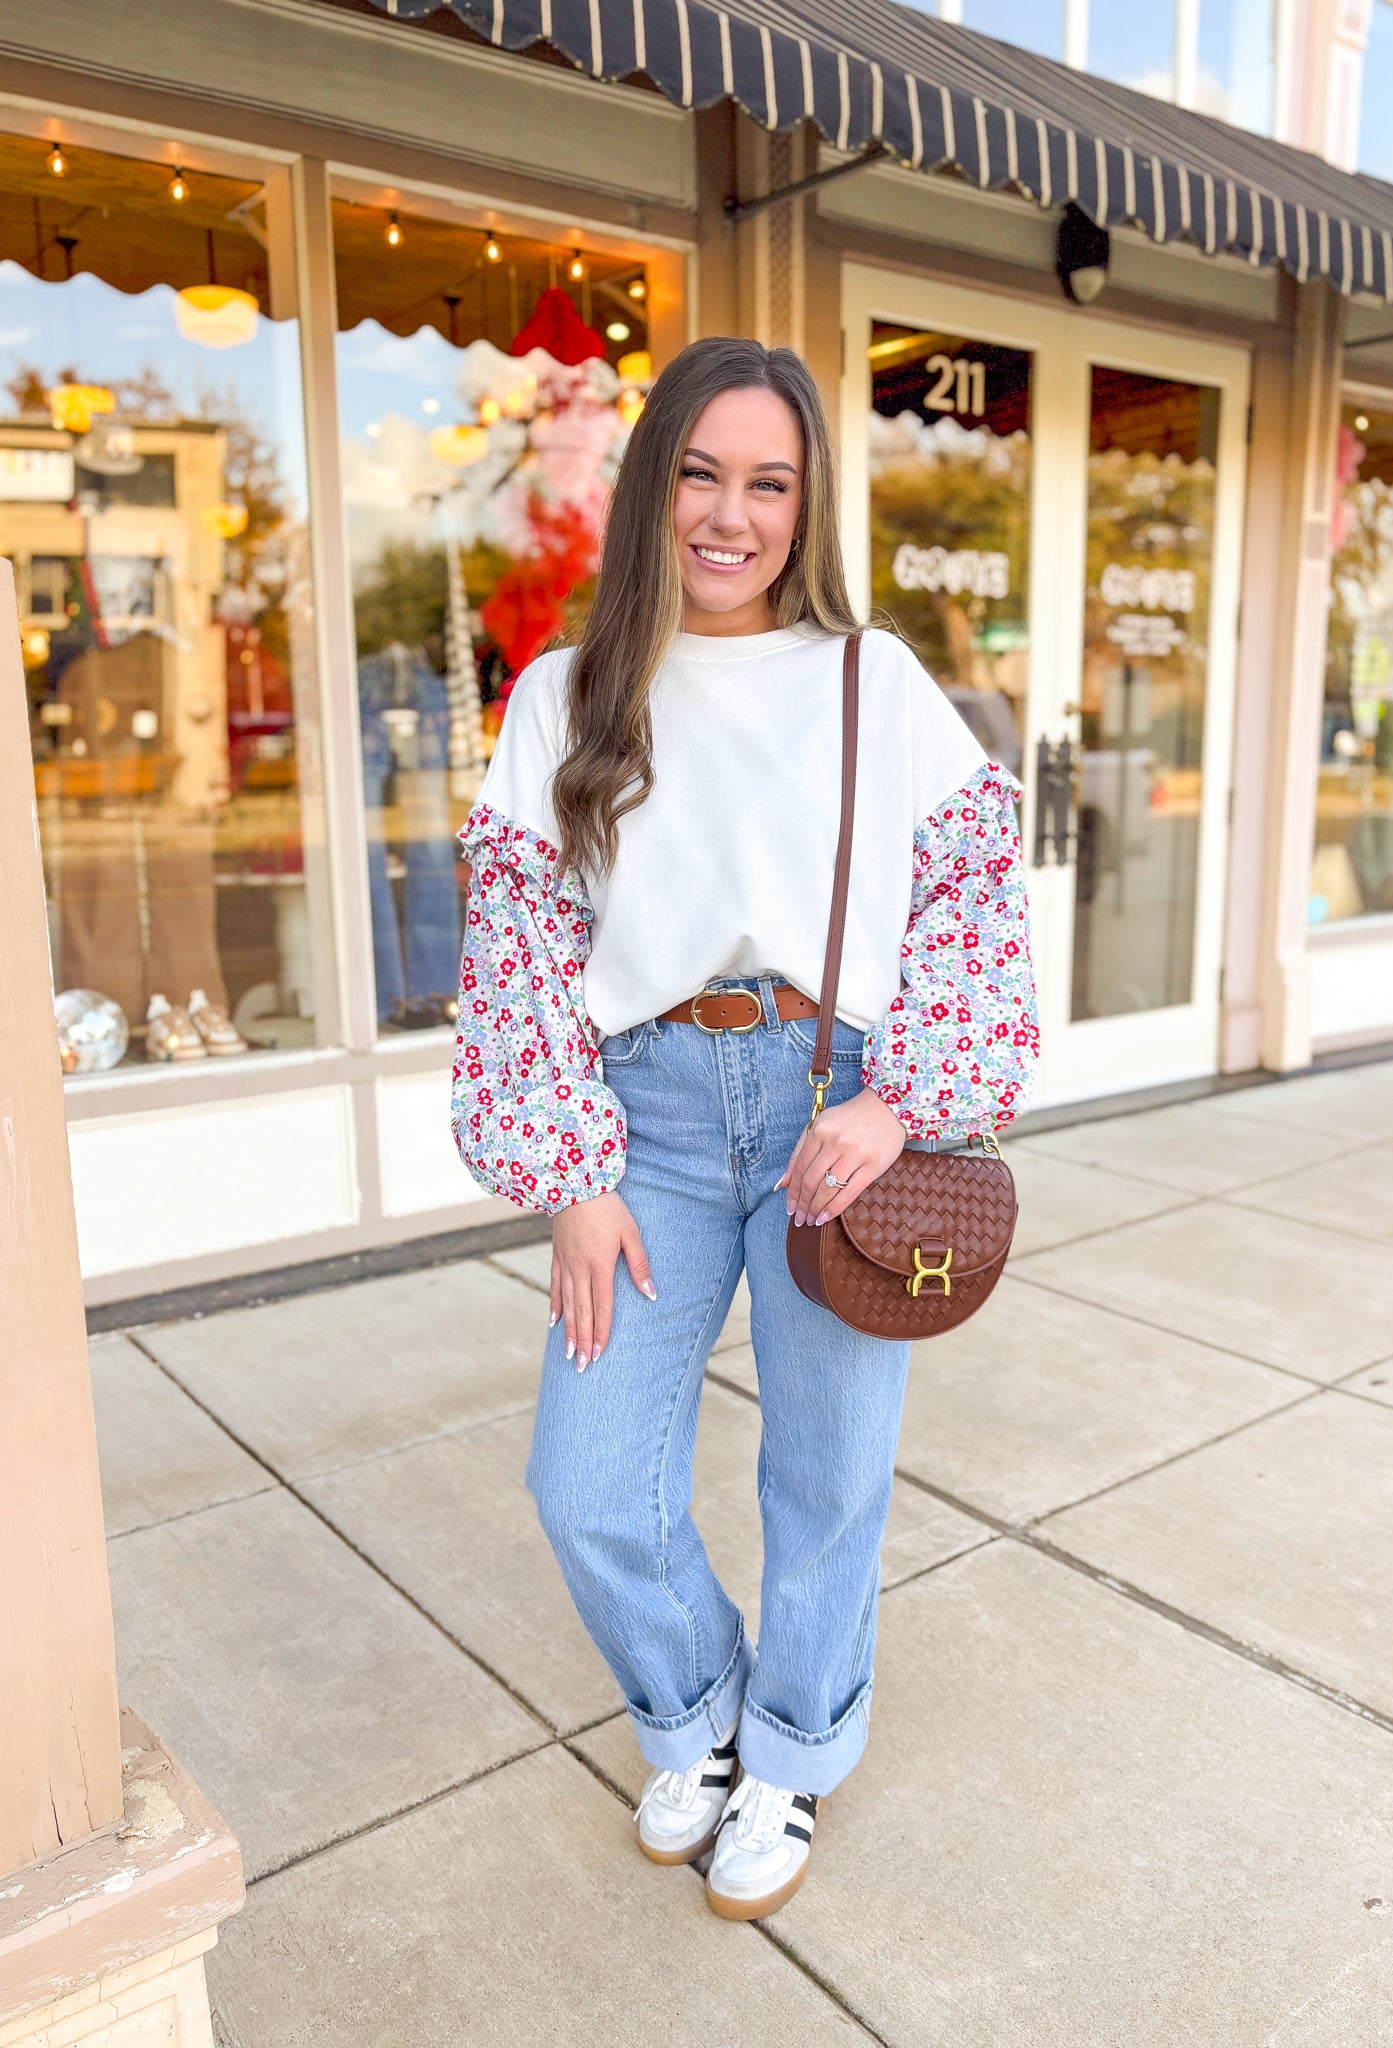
x=769 y=483
x=697 y=476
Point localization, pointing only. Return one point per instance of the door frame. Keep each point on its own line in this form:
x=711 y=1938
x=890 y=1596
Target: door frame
x=1103 y=1055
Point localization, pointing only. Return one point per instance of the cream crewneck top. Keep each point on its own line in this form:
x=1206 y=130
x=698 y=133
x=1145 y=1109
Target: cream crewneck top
x=727 y=868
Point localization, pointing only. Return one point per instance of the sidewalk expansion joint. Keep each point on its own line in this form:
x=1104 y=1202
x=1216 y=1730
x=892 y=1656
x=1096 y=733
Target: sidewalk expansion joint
x=1128 y=1315
x=473 y=1657
x=386 y=1820
x=761 y=1927
x=1192 y=1624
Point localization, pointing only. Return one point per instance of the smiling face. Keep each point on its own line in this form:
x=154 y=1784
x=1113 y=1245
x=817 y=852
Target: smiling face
x=735 y=511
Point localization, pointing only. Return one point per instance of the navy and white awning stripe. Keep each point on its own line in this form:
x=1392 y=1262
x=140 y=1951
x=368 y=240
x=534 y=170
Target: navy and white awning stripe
x=940 y=97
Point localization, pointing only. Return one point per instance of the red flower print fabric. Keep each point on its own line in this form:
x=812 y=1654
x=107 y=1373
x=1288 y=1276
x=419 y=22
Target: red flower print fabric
x=956 y=1053
x=531 y=1116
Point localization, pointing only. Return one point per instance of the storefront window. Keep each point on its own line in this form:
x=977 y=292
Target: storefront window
x=1352 y=872
x=1153 y=445
x=1030 y=24
x=486 y=388
x=950 y=517
x=1376 y=94
x=1234 y=75
x=1134 y=45
x=152 y=501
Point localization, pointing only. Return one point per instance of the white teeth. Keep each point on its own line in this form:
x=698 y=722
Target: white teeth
x=727 y=561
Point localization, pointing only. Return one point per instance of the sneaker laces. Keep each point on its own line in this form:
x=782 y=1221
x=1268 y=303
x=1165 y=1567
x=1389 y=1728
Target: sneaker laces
x=761 y=1813
x=677 y=1789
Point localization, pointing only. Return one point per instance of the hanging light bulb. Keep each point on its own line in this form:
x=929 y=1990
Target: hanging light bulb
x=637 y=288
x=394 y=235
x=57 y=162
x=177 y=188
x=575 y=269
x=492 y=251
x=618 y=330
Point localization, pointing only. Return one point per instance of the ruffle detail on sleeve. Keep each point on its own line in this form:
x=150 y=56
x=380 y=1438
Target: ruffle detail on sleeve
x=956 y=1052
x=531 y=1115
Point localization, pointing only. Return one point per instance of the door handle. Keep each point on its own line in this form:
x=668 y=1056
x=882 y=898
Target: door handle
x=1056 y=780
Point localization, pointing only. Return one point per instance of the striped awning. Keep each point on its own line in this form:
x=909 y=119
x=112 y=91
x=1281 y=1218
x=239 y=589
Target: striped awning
x=942 y=98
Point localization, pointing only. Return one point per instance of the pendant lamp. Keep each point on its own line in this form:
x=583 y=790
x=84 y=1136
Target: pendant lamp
x=215 y=315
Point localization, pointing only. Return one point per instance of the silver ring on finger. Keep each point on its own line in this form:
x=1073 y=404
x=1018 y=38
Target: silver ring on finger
x=829 y=1180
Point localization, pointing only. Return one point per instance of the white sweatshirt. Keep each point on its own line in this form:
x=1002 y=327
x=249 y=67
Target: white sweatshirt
x=726 y=869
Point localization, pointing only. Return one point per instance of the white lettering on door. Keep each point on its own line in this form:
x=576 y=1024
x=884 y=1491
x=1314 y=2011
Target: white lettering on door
x=956 y=571
x=1149 y=590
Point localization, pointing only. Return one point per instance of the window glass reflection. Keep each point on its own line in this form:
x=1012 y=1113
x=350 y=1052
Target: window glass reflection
x=1151 y=482
x=1376 y=94
x=152 y=501
x=486 y=389
x=1133 y=45
x=1031 y=24
x=1352 y=871
x=1236 y=60
x=950 y=517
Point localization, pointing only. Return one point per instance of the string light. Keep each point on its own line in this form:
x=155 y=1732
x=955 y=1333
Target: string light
x=57 y=162
x=1361 y=423
x=492 y=251
x=638 y=289
x=575 y=269
x=394 y=235
x=177 y=188
x=618 y=330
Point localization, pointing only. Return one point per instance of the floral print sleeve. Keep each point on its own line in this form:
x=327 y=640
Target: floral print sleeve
x=956 y=1051
x=531 y=1115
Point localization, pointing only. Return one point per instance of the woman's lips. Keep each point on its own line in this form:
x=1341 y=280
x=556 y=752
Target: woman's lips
x=726 y=562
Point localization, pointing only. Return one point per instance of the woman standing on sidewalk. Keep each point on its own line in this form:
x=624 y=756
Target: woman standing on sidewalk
x=661 y=812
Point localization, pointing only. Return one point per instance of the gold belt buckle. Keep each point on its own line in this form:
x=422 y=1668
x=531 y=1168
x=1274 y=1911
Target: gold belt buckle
x=715 y=1030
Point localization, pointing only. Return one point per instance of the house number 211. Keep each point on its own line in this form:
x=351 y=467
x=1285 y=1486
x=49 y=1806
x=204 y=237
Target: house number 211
x=961 y=386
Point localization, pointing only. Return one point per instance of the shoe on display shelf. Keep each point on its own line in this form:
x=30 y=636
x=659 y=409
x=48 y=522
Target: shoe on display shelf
x=680 y=1810
x=214 y=1026
x=170 y=1033
x=764 y=1843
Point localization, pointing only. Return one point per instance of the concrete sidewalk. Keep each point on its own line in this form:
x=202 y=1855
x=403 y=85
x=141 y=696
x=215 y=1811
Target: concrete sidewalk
x=1130 y=1777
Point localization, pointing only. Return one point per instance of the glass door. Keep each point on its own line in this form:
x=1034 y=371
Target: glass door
x=1050 y=506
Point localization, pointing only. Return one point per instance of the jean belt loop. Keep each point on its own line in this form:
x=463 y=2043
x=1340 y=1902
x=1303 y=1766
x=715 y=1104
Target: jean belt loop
x=773 y=1021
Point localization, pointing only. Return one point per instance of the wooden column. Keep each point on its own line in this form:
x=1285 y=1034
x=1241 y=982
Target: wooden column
x=1291 y=490
x=115 y=1871
x=60 y=1757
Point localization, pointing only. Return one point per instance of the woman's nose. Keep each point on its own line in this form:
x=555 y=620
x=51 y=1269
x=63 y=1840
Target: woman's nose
x=728 y=512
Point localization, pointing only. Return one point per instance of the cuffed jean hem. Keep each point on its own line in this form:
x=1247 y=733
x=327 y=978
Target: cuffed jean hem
x=781 y=1755
x=676 y=1743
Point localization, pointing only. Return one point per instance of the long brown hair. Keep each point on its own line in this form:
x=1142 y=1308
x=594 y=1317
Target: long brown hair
x=637 y=609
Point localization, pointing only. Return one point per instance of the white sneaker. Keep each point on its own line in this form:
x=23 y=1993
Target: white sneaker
x=680 y=1810
x=764 y=1843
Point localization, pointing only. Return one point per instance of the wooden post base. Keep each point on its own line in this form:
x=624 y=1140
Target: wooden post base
x=103 y=1942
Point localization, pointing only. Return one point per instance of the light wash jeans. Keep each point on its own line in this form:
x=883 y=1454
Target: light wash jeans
x=712 y=1121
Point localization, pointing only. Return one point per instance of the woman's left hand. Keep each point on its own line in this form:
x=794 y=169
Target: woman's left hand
x=856 y=1141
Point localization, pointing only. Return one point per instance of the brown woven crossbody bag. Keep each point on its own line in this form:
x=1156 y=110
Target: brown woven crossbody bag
x=922 y=1247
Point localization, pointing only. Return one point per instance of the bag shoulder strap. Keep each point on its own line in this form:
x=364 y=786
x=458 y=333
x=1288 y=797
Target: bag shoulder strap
x=820 y=1073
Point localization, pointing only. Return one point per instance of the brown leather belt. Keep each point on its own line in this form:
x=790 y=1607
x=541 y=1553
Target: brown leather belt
x=737 y=1009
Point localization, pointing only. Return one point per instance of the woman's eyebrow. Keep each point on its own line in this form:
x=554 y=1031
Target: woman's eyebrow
x=700 y=455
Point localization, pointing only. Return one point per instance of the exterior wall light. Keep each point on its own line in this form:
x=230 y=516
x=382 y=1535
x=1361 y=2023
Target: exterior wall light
x=1081 y=256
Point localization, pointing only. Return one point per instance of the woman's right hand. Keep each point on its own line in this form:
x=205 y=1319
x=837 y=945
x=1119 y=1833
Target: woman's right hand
x=586 y=1241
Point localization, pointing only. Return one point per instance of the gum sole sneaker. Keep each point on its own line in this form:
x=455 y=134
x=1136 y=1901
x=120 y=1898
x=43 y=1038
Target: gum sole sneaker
x=680 y=1810
x=764 y=1845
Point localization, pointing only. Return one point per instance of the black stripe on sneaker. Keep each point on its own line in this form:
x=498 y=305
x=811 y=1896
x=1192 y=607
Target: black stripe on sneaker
x=803 y=1834
x=806 y=1803
x=713 y=1778
x=726 y=1752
